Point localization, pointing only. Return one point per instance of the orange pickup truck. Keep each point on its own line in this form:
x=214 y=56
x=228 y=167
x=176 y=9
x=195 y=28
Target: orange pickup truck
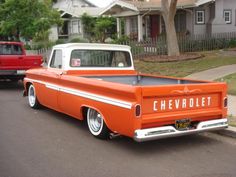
x=98 y=83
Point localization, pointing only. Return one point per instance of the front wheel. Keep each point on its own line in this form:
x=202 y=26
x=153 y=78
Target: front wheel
x=32 y=98
x=96 y=124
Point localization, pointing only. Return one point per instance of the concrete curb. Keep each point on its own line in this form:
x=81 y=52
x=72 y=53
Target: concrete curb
x=230 y=131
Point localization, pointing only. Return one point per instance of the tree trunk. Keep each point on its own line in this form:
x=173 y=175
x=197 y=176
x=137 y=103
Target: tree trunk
x=168 y=13
x=172 y=42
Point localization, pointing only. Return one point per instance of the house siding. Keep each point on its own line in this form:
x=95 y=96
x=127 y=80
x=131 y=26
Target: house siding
x=189 y=21
x=53 y=33
x=201 y=28
x=218 y=24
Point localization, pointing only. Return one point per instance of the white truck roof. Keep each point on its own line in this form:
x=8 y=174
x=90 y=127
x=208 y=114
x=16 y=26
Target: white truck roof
x=69 y=47
x=93 y=46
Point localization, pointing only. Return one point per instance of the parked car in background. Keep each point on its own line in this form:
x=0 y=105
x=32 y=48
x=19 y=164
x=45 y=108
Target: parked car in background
x=98 y=83
x=14 y=61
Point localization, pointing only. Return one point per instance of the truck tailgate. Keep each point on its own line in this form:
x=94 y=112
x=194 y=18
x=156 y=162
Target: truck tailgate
x=165 y=105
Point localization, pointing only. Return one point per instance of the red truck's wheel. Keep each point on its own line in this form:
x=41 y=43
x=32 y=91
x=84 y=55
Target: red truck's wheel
x=32 y=98
x=96 y=124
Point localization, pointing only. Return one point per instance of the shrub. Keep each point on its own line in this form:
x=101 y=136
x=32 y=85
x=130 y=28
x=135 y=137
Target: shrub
x=78 y=40
x=122 y=40
x=27 y=47
x=232 y=43
x=60 y=41
x=42 y=45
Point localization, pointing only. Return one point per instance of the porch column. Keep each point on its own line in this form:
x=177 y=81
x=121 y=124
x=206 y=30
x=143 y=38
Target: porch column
x=118 y=28
x=160 y=21
x=140 y=28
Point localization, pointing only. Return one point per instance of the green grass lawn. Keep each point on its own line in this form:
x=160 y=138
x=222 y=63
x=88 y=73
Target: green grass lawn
x=231 y=82
x=183 y=68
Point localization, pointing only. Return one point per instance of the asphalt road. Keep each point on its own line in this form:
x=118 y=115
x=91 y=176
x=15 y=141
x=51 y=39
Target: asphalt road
x=45 y=143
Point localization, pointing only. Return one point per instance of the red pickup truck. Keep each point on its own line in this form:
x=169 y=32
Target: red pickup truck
x=14 y=61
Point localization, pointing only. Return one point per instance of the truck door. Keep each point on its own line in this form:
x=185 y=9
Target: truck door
x=11 y=56
x=51 y=76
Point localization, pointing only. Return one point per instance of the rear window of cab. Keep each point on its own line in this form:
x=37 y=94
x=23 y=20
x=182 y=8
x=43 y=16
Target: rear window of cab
x=10 y=49
x=100 y=58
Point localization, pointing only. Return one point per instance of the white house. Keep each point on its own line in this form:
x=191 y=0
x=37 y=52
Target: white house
x=143 y=19
x=71 y=12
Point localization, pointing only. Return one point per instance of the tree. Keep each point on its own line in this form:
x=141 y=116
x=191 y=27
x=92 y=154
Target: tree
x=104 y=27
x=168 y=13
x=88 y=26
x=98 y=29
x=26 y=18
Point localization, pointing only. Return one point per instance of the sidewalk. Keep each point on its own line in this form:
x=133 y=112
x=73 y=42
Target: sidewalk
x=216 y=73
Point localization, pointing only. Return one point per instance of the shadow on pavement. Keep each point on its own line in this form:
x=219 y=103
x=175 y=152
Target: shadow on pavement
x=161 y=147
x=8 y=85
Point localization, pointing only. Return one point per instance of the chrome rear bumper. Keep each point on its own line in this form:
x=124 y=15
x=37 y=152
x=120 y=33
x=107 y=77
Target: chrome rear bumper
x=170 y=131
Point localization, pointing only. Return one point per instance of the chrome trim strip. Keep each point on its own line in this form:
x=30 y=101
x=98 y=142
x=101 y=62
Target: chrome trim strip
x=88 y=95
x=169 y=131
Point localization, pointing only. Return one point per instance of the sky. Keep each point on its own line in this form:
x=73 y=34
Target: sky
x=101 y=3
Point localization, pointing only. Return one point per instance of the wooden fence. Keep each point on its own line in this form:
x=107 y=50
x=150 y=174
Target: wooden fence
x=187 y=43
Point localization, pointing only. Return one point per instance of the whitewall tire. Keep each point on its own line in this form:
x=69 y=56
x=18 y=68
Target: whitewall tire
x=32 y=97
x=96 y=124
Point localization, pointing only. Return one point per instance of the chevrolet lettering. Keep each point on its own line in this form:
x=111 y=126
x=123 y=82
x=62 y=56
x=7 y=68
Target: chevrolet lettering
x=184 y=103
x=98 y=83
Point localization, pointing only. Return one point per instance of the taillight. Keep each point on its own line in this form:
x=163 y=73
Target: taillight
x=225 y=102
x=137 y=110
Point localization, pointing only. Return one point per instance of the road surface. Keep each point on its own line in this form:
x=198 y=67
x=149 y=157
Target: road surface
x=44 y=143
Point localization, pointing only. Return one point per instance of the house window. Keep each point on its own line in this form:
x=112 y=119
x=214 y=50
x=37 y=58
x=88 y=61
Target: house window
x=75 y=26
x=227 y=16
x=200 y=17
x=134 y=25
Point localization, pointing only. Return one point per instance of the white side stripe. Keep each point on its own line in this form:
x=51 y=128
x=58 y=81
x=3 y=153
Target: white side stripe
x=88 y=95
x=53 y=87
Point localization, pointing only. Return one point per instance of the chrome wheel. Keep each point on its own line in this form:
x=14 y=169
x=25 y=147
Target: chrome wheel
x=96 y=124
x=32 y=97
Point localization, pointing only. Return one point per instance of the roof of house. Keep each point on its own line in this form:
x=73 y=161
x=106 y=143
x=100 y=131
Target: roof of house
x=157 y=3
x=78 y=12
x=148 y=5
x=64 y=3
x=67 y=7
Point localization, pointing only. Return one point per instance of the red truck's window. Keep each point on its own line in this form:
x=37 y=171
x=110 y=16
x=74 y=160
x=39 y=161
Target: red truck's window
x=10 y=49
x=100 y=58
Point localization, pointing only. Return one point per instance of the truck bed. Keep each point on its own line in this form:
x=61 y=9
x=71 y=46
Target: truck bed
x=143 y=80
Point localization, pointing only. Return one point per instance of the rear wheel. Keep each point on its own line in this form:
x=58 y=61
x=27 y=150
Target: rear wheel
x=32 y=98
x=97 y=125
